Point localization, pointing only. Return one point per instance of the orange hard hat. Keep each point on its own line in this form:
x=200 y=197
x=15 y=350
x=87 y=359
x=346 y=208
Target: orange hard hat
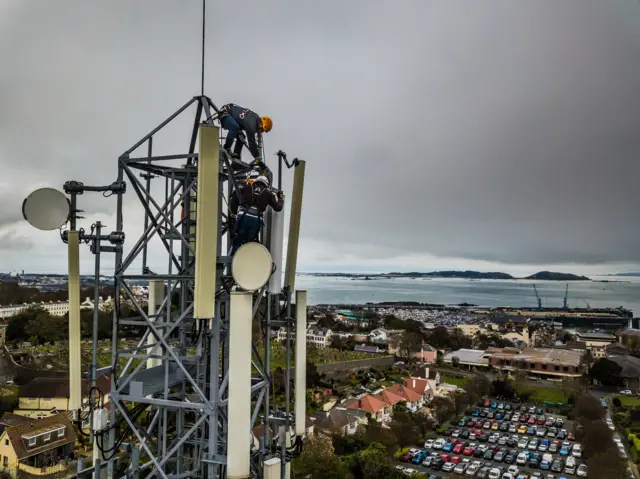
x=267 y=124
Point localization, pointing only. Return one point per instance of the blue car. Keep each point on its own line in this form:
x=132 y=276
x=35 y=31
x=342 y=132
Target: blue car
x=499 y=416
x=544 y=465
x=564 y=451
x=448 y=447
x=418 y=458
x=494 y=405
x=476 y=413
x=462 y=422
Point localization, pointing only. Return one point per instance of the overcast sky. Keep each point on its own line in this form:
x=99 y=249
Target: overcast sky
x=493 y=135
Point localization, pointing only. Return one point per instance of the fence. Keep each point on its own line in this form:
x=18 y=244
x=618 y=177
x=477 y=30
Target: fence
x=59 y=471
x=356 y=365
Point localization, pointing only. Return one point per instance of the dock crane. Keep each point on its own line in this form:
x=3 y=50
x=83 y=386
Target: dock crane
x=566 y=293
x=538 y=297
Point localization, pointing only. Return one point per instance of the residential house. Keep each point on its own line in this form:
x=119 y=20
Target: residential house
x=319 y=337
x=541 y=361
x=338 y=420
x=379 y=336
x=378 y=409
x=628 y=336
x=421 y=386
x=412 y=398
x=9 y=419
x=390 y=398
x=472 y=358
x=366 y=348
x=616 y=349
x=37 y=447
x=43 y=397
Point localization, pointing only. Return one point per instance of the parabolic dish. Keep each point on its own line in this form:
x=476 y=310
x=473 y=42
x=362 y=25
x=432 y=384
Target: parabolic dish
x=251 y=266
x=46 y=209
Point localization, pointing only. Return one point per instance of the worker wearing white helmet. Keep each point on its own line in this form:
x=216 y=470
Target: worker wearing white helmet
x=246 y=212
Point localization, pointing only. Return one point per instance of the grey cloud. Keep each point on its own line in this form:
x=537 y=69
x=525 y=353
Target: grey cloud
x=504 y=131
x=11 y=241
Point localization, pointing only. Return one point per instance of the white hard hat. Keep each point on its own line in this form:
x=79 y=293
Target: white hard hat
x=262 y=179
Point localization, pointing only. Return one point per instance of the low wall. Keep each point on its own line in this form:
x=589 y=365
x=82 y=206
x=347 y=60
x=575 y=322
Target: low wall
x=356 y=365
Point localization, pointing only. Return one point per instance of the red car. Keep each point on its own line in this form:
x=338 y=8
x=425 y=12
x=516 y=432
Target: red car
x=540 y=421
x=406 y=457
x=470 y=423
x=478 y=424
x=468 y=451
x=524 y=418
x=445 y=458
x=478 y=432
x=456 y=459
x=571 y=437
x=532 y=420
x=487 y=402
x=459 y=448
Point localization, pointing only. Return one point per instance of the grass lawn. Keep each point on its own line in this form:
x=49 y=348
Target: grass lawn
x=629 y=401
x=541 y=394
x=315 y=355
x=460 y=382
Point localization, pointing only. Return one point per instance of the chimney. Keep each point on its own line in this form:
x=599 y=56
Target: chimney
x=426 y=373
x=414 y=382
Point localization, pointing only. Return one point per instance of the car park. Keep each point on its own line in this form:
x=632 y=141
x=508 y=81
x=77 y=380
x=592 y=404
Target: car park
x=533 y=445
x=438 y=443
x=541 y=432
x=582 y=470
x=522 y=429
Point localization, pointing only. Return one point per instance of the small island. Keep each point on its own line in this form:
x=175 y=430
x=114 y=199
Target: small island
x=541 y=275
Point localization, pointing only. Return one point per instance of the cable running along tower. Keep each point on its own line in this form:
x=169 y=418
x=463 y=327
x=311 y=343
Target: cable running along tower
x=190 y=372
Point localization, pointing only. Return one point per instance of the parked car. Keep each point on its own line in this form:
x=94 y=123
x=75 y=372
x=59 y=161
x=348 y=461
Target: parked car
x=428 y=444
x=576 y=450
x=582 y=470
x=448 y=467
x=557 y=465
x=438 y=443
x=541 y=432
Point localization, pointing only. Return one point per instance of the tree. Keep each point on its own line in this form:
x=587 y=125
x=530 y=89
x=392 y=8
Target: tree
x=588 y=408
x=374 y=432
x=423 y=422
x=587 y=360
x=634 y=345
x=337 y=342
x=455 y=361
x=318 y=461
x=374 y=463
x=462 y=401
x=443 y=408
x=594 y=435
x=545 y=338
x=405 y=429
x=616 y=402
x=606 y=464
x=606 y=372
x=406 y=344
x=478 y=387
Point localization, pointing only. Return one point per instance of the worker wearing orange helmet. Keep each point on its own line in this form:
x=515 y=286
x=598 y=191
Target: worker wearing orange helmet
x=236 y=119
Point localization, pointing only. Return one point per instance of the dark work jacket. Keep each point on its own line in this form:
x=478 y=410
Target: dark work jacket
x=256 y=196
x=248 y=120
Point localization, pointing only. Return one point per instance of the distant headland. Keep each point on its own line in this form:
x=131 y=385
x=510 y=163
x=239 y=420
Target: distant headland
x=542 y=275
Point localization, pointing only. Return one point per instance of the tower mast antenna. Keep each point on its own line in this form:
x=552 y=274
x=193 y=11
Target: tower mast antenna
x=204 y=6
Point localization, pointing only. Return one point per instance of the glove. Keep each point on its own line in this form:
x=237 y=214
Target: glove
x=281 y=195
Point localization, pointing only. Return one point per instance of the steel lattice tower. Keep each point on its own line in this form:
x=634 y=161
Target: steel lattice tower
x=170 y=400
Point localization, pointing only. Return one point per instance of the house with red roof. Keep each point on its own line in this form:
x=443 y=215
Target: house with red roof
x=373 y=405
x=421 y=386
x=413 y=399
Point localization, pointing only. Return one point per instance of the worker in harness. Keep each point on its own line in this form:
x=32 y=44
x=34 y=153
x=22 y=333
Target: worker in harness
x=246 y=212
x=236 y=119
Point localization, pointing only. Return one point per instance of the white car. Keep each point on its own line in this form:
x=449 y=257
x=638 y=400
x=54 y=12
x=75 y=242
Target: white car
x=521 y=460
x=533 y=445
x=571 y=461
x=428 y=444
x=459 y=469
x=438 y=443
x=582 y=470
x=494 y=473
x=472 y=469
x=576 y=451
x=513 y=470
x=448 y=466
x=409 y=472
x=522 y=443
x=617 y=439
x=626 y=392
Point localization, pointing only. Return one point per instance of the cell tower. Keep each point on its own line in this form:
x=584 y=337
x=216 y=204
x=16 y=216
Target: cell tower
x=186 y=396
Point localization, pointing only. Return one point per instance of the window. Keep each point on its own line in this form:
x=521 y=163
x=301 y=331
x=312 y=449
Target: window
x=5 y=461
x=6 y=442
x=47 y=437
x=32 y=441
x=61 y=432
